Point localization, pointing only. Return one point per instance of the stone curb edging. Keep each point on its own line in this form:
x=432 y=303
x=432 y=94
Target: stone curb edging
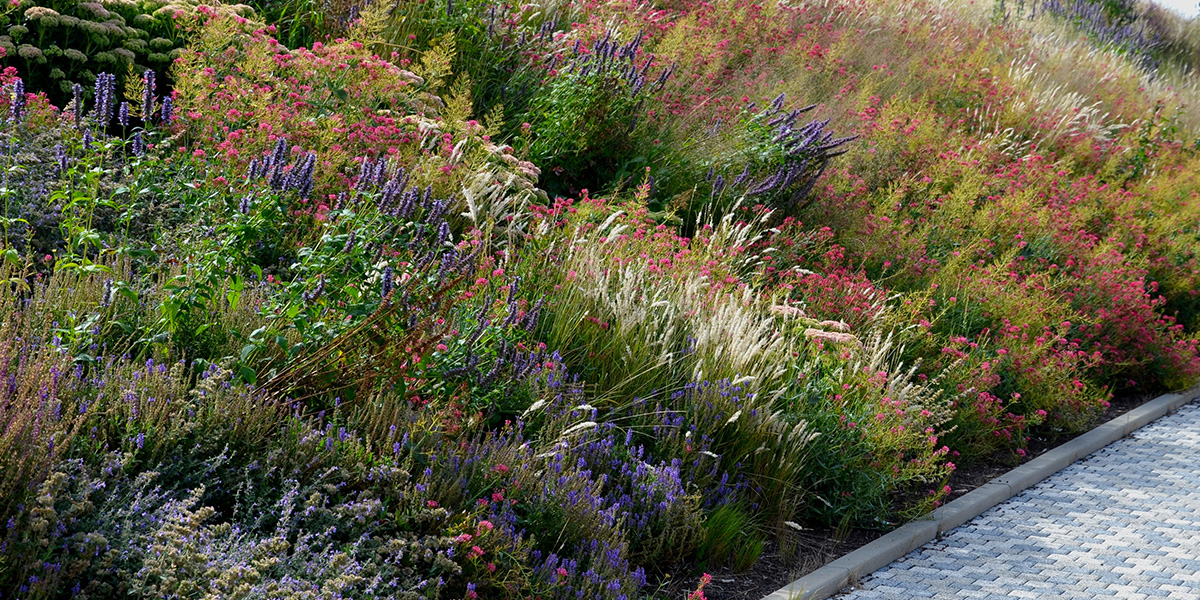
x=831 y=578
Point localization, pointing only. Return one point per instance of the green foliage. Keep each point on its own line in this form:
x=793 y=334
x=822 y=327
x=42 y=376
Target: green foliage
x=581 y=127
x=727 y=539
x=299 y=23
x=57 y=44
x=1154 y=135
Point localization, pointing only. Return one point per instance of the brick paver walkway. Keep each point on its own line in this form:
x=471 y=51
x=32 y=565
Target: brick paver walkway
x=1123 y=523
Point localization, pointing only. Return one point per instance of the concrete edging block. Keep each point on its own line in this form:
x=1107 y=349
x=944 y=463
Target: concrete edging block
x=831 y=578
x=884 y=550
x=971 y=505
x=1145 y=414
x=818 y=585
x=1035 y=470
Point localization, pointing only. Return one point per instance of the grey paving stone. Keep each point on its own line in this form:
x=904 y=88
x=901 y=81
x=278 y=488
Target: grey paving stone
x=1124 y=522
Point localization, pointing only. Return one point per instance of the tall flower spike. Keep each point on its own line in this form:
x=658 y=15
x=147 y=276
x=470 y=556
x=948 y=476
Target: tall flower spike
x=274 y=167
x=317 y=292
x=139 y=146
x=446 y=264
x=777 y=103
x=105 y=95
x=60 y=158
x=148 y=94
x=16 y=106
x=279 y=155
x=304 y=180
x=364 y=172
x=77 y=93
x=123 y=114
x=168 y=110
x=381 y=171
x=386 y=284
x=740 y=179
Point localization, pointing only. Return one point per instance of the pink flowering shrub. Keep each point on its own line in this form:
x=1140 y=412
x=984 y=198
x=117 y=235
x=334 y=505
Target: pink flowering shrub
x=244 y=91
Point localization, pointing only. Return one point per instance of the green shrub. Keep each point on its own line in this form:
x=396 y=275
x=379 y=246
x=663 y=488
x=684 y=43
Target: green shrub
x=299 y=23
x=57 y=44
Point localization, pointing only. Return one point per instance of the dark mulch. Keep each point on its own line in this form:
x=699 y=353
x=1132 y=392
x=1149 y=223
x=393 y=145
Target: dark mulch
x=812 y=548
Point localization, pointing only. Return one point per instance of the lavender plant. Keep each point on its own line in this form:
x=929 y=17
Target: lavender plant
x=1112 y=22
x=775 y=160
x=583 y=119
x=71 y=189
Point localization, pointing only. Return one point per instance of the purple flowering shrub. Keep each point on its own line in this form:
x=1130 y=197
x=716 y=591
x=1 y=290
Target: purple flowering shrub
x=782 y=158
x=584 y=119
x=71 y=188
x=598 y=484
x=730 y=443
x=388 y=239
x=306 y=515
x=591 y=521
x=496 y=352
x=768 y=156
x=1110 y=22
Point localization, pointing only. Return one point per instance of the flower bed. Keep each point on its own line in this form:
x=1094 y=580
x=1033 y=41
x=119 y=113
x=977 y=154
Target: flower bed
x=583 y=298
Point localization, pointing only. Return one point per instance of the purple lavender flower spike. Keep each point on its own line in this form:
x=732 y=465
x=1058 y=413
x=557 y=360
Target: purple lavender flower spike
x=443 y=234
x=17 y=106
x=777 y=103
x=105 y=96
x=168 y=110
x=60 y=158
x=77 y=94
x=148 y=94
x=386 y=287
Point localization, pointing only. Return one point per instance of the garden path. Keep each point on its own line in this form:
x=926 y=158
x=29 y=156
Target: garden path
x=1123 y=523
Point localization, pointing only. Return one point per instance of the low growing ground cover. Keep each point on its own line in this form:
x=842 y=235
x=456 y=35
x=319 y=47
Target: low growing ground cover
x=567 y=300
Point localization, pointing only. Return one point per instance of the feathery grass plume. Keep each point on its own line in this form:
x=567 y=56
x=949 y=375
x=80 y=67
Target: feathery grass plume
x=656 y=329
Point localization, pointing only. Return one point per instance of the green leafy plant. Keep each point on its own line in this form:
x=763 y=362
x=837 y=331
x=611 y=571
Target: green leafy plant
x=58 y=44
